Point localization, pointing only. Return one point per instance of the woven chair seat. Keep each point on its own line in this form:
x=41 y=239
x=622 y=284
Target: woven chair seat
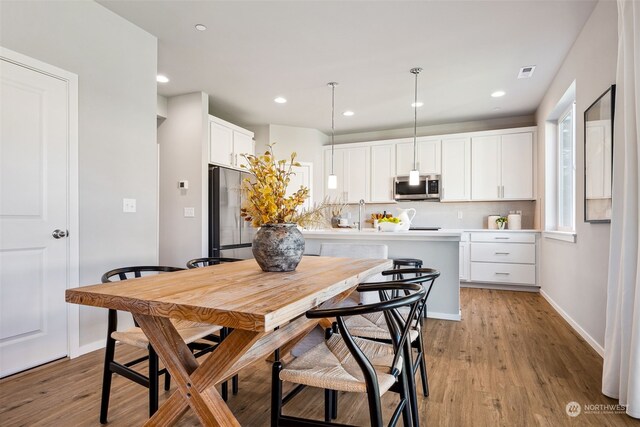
x=375 y=327
x=189 y=331
x=330 y=365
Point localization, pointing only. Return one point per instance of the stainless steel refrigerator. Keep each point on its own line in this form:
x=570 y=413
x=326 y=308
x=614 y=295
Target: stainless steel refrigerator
x=229 y=234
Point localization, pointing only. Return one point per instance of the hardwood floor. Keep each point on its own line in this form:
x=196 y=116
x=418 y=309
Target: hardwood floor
x=512 y=361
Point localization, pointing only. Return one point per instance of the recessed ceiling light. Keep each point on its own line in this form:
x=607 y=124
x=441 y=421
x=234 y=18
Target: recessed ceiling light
x=348 y=113
x=497 y=109
x=498 y=94
x=417 y=104
x=162 y=79
x=280 y=100
x=201 y=27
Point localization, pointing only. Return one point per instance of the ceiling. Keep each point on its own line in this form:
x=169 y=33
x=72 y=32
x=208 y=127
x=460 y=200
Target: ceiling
x=253 y=51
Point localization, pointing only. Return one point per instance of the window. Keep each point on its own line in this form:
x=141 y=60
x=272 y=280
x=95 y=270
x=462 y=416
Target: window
x=566 y=170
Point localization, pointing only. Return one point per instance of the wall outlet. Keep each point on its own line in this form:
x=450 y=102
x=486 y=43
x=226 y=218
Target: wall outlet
x=189 y=212
x=129 y=205
x=459 y=214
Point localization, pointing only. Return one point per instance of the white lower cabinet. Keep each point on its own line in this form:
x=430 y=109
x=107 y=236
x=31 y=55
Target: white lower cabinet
x=503 y=257
x=524 y=274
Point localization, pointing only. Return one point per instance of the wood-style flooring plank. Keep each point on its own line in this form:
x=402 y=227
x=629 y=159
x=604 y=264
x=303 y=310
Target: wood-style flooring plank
x=511 y=361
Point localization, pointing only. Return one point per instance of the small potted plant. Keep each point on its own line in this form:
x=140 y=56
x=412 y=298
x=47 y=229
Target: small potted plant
x=501 y=222
x=278 y=245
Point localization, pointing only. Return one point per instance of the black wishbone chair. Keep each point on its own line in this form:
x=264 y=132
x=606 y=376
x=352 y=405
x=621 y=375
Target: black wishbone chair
x=374 y=327
x=197 y=335
x=224 y=332
x=205 y=262
x=352 y=364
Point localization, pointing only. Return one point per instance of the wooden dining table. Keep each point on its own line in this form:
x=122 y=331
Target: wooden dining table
x=265 y=311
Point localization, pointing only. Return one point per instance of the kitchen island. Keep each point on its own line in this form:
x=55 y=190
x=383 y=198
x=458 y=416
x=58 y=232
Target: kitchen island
x=437 y=249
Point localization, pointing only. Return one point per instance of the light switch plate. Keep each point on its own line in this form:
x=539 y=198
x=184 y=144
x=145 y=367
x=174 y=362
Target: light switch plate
x=129 y=205
x=189 y=212
x=459 y=214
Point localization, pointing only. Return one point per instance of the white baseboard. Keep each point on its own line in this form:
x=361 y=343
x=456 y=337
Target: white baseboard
x=588 y=338
x=444 y=316
x=88 y=348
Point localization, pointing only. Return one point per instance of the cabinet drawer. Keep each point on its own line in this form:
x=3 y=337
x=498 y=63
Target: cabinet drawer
x=503 y=237
x=523 y=253
x=503 y=273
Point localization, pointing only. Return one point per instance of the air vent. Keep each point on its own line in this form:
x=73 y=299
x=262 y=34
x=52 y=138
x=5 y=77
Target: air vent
x=526 y=72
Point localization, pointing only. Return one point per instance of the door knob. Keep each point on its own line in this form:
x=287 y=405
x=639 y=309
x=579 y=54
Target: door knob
x=59 y=234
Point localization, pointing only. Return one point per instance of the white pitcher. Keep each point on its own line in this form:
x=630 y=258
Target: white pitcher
x=403 y=214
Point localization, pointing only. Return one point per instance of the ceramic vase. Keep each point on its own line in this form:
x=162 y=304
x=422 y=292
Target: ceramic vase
x=278 y=247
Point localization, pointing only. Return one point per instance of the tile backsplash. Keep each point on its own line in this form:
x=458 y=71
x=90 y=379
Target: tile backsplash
x=445 y=215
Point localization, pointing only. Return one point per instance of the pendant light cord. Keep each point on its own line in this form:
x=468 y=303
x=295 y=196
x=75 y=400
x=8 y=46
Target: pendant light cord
x=415 y=71
x=333 y=118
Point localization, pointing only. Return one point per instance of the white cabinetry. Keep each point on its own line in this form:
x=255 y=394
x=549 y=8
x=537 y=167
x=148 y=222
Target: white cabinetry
x=428 y=157
x=228 y=142
x=465 y=260
x=456 y=169
x=351 y=166
x=502 y=167
x=383 y=169
x=503 y=257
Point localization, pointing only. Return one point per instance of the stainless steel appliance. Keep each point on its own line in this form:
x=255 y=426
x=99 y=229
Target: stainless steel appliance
x=229 y=234
x=428 y=188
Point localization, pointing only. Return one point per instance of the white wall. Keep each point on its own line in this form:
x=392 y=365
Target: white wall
x=183 y=142
x=116 y=66
x=574 y=275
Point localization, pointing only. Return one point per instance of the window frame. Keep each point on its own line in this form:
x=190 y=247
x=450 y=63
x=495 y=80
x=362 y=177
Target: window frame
x=560 y=226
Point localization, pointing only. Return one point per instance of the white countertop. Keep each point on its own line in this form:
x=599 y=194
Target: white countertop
x=371 y=234
x=476 y=230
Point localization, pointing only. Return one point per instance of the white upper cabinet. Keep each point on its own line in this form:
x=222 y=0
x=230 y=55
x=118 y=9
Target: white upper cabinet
x=427 y=159
x=338 y=170
x=502 y=167
x=357 y=164
x=383 y=169
x=351 y=166
x=485 y=176
x=220 y=144
x=517 y=166
x=228 y=142
x=456 y=169
x=242 y=144
x=487 y=165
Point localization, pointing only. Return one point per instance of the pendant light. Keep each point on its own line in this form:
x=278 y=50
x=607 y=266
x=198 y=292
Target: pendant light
x=332 y=183
x=414 y=175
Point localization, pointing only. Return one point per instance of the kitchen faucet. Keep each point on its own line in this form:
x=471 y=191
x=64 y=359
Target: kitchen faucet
x=360 y=213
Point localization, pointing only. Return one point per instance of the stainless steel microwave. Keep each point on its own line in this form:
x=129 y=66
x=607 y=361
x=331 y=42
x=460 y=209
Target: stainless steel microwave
x=428 y=188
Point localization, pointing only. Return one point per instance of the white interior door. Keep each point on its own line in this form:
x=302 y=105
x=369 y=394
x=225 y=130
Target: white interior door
x=34 y=266
x=302 y=177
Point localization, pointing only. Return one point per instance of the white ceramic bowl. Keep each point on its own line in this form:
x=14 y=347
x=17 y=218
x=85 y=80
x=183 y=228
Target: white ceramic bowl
x=389 y=226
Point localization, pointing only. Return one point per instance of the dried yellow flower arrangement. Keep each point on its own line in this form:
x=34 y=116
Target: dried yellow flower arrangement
x=266 y=200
